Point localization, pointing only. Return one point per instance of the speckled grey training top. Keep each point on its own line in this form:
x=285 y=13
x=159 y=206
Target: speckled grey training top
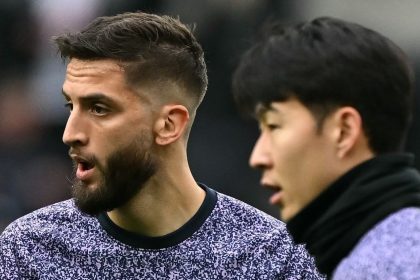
x=390 y=250
x=226 y=239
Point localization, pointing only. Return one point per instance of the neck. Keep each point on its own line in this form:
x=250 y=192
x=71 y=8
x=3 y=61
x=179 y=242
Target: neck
x=168 y=200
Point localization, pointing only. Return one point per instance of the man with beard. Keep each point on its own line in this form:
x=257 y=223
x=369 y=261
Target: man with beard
x=132 y=86
x=333 y=100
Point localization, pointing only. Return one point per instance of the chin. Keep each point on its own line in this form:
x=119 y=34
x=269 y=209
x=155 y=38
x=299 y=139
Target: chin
x=286 y=215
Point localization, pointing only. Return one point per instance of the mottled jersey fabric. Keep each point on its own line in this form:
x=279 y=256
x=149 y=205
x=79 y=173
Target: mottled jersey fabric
x=225 y=239
x=391 y=250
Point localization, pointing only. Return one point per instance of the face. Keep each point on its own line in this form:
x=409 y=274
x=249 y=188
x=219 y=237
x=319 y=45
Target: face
x=295 y=157
x=109 y=131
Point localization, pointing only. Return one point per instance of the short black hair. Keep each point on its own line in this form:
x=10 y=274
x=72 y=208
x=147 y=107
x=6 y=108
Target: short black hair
x=327 y=63
x=150 y=47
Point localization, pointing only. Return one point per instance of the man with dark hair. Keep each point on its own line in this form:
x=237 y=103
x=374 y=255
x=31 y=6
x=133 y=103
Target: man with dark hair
x=333 y=100
x=132 y=86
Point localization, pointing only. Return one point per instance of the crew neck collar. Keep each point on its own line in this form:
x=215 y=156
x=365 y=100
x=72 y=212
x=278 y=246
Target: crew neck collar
x=168 y=240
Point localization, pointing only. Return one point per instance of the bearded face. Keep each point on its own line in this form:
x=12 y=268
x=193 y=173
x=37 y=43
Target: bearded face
x=122 y=176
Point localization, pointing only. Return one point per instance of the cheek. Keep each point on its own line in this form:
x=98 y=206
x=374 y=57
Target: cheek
x=298 y=159
x=108 y=143
x=312 y=169
x=289 y=152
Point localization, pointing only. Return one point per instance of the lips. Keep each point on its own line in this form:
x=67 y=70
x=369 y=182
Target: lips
x=277 y=197
x=84 y=167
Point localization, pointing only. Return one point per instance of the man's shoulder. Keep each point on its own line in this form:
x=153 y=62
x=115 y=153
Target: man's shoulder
x=51 y=217
x=234 y=219
x=244 y=232
x=388 y=249
x=241 y=212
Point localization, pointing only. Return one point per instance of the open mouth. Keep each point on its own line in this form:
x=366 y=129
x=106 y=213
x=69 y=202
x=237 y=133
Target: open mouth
x=84 y=168
x=277 y=197
x=85 y=165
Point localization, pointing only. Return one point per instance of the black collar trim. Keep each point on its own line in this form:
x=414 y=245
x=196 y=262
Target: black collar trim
x=169 y=240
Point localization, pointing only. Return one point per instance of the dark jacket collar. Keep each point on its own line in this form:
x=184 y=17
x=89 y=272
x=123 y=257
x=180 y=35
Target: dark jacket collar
x=334 y=222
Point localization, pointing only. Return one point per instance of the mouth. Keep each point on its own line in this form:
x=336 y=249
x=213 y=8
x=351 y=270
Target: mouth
x=277 y=197
x=84 y=168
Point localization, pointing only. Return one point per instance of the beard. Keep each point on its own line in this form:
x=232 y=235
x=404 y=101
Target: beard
x=121 y=178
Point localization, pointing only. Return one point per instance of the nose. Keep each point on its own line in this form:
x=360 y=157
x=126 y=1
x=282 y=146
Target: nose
x=75 y=131
x=260 y=156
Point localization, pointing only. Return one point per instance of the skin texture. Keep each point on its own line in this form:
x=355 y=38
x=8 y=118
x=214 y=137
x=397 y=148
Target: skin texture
x=298 y=160
x=113 y=112
x=110 y=122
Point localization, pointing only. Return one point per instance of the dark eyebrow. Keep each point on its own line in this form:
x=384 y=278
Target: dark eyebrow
x=261 y=110
x=91 y=97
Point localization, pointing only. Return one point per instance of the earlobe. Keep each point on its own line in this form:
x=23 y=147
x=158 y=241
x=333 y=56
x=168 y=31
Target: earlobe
x=171 y=124
x=349 y=124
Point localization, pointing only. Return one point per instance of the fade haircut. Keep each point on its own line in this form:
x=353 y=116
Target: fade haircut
x=152 y=49
x=325 y=64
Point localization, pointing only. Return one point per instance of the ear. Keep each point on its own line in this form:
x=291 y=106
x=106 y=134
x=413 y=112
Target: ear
x=348 y=130
x=171 y=124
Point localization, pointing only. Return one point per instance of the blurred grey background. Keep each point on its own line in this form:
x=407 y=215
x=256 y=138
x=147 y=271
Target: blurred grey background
x=33 y=161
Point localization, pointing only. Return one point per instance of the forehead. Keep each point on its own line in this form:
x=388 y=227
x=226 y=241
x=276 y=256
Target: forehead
x=83 y=76
x=87 y=78
x=92 y=68
x=289 y=109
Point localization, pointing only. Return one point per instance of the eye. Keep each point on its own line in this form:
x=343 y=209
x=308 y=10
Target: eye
x=272 y=127
x=99 y=109
x=69 y=106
